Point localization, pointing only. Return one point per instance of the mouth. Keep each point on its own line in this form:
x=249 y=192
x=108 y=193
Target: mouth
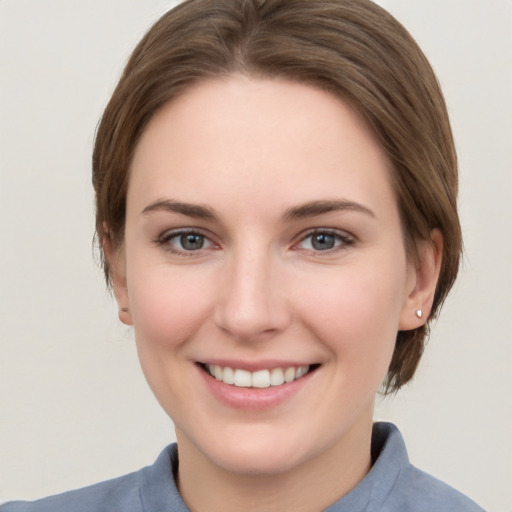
x=260 y=379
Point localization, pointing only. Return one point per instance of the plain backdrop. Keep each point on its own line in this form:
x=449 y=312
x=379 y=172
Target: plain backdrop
x=74 y=407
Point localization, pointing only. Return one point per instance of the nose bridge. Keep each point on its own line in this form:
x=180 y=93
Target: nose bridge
x=252 y=301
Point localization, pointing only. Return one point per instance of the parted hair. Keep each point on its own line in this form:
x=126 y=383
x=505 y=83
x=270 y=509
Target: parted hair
x=351 y=48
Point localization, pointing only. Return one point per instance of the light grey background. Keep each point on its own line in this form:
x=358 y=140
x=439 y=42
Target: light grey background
x=74 y=407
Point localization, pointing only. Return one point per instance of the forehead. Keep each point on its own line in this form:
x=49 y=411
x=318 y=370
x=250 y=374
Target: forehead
x=271 y=138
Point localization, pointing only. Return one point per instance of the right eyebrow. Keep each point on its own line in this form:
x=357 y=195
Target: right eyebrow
x=189 y=209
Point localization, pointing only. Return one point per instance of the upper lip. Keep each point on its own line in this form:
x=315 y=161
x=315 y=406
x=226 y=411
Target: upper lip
x=254 y=366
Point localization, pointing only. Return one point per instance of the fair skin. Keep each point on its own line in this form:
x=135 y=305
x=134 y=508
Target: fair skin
x=262 y=235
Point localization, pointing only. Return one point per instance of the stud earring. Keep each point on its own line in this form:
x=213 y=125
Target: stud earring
x=419 y=313
x=124 y=310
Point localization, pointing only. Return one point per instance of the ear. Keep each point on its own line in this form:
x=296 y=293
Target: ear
x=422 y=282
x=117 y=265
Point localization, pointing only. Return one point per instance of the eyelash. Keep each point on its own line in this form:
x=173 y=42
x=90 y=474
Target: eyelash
x=342 y=239
x=165 y=240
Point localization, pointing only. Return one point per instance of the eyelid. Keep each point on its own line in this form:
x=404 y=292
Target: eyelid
x=164 y=239
x=346 y=238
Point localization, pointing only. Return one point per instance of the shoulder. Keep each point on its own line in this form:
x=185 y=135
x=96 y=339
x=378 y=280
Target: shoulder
x=123 y=494
x=118 y=494
x=408 y=488
x=421 y=492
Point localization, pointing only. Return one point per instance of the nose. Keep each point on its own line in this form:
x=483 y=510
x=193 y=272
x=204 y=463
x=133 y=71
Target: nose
x=252 y=300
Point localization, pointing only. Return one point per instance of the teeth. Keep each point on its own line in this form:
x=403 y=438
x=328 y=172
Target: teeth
x=258 y=379
x=218 y=373
x=243 y=378
x=276 y=377
x=261 y=379
x=301 y=372
x=290 y=374
x=228 y=376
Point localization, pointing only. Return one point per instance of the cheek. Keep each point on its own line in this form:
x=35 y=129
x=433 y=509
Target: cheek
x=167 y=311
x=355 y=312
x=167 y=307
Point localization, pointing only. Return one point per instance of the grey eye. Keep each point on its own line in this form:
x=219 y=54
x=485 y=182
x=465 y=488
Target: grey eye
x=191 y=241
x=185 y=242
x=323 y=241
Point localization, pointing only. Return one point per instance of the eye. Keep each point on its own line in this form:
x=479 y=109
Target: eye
x=190 y=241
x=183 y=242
x=324 y=240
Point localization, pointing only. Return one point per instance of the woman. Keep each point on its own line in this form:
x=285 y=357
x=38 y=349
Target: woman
x=276 y=206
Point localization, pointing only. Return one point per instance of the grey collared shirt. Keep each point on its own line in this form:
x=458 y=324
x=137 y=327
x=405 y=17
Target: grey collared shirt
x=392 y=485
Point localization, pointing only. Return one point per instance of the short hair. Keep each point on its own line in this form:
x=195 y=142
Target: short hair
x=353 y=49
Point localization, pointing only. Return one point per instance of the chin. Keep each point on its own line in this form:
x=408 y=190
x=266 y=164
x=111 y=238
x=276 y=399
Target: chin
x=252 y=451
x=257 y=463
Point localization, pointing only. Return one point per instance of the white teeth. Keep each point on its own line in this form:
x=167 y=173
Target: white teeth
x=243 y=379
x=217 y=372
x=276 y=377
x=289 y=374
x=228 y=375
x=301 y=371
x=259 y=379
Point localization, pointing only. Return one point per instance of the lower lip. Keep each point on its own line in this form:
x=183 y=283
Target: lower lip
x=253 y=399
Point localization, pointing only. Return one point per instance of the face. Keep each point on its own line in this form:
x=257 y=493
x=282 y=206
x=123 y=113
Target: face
x=264 y=271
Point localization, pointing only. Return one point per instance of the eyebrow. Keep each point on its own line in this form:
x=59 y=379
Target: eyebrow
x=309 y=209
x=313 y=208
x=190 y=210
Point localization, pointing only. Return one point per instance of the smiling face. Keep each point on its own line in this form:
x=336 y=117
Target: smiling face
x=264 y=273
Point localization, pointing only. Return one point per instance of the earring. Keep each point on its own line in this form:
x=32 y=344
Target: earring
x=124 y=310
x=419 y=313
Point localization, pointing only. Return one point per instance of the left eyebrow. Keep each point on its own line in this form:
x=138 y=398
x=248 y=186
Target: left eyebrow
x=313 y=208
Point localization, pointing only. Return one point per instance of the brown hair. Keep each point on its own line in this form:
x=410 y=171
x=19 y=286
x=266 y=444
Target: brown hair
x=352 y=48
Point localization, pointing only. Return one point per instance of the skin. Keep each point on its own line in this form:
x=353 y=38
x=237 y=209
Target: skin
x=253 y=152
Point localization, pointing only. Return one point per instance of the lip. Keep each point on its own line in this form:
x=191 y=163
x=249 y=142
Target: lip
x=253 y=399
x=253 y=366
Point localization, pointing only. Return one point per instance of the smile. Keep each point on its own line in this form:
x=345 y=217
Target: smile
x=258 y=379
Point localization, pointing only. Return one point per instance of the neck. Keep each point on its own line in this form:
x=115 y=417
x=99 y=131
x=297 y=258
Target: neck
x=311 y=486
